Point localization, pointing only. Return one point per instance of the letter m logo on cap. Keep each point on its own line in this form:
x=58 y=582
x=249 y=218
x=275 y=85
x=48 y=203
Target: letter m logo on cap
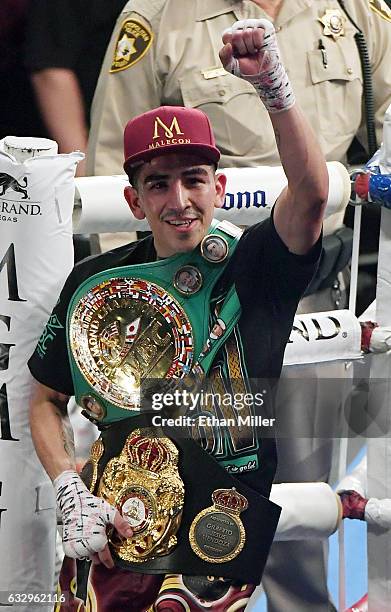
x=168 y=131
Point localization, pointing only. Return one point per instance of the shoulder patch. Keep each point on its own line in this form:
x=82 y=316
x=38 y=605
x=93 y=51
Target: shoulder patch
x=381 y=8
x=133 y=42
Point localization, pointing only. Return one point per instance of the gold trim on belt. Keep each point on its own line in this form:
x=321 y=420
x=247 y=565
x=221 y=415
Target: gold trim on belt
x=143 y=483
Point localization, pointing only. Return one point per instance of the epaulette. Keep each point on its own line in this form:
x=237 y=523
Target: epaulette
x=148 y=10
x=381 y=8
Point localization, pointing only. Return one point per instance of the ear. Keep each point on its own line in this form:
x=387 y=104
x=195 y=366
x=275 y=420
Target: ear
x=220 y=182
x=133 y=200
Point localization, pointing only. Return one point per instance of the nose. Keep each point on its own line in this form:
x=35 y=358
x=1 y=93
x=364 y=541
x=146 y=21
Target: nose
x=179 y=197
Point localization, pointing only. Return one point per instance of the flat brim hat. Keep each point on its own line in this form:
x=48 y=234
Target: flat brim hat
x=168 y=129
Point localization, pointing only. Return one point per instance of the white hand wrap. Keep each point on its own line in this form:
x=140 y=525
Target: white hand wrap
x=84 y=516
x=378 y=512
x=309 y=510
x=380 y=340
x=271 y=83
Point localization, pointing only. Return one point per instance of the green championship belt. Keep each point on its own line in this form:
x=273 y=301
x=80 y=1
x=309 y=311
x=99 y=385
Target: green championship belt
x=151 y=321
x=148 y=321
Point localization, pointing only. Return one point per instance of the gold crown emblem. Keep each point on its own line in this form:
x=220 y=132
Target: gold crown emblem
x=150 y=453
x=229 y=500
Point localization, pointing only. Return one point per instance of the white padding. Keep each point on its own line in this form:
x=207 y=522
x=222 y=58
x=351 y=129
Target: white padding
x=356 y=480
x=378 y=512
x=251 y=192
x=309 y=510
x=323 y=336
x=36 y=254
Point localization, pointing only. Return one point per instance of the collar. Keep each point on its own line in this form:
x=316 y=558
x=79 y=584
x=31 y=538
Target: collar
x=247 y=9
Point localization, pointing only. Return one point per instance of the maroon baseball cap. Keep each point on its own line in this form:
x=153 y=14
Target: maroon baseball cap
x=168 y=129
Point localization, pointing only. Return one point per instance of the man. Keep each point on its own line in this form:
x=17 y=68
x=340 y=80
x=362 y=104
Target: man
x=126 y=321
x=63 y=71
x=174 y=60
x=20 y=116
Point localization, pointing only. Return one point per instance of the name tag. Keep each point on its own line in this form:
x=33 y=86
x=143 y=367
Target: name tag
x=212 y=73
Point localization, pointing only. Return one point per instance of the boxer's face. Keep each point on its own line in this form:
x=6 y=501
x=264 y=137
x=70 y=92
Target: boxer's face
x=177 y=194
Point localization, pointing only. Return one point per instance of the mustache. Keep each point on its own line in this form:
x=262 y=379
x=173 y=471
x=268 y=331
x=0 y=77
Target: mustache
x=173 y=216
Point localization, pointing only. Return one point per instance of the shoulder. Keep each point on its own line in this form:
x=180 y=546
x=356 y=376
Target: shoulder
x=136 y=29
x=256 y=234
x=149 y=10
x=369 y=13
x=136 y=252
x=381 y=9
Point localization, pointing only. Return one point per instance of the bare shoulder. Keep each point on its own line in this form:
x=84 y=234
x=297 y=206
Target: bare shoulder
x=41 y=393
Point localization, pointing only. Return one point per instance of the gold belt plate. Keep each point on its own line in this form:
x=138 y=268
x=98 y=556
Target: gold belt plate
x=126 y=330
x=143 y=483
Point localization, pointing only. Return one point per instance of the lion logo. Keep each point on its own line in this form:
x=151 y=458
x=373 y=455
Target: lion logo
x=9 y=182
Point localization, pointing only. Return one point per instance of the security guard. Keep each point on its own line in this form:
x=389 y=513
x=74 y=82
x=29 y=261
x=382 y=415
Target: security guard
x=166 y=52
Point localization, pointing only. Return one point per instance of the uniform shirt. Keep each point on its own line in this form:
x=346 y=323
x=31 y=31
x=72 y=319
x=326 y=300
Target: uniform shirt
x=181 y=67
x=269 y=281
x=71 y=34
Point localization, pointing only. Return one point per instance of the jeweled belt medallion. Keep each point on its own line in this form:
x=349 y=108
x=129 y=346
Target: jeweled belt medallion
x=143 y=483
x=217 y=534
x=126 y=330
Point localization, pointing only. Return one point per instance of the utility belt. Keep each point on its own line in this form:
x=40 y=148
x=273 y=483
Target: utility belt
x=189 y=515
x=335 y=256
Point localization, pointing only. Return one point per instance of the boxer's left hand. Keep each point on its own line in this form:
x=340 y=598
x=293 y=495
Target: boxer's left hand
x=251 y=52
x=247 y=45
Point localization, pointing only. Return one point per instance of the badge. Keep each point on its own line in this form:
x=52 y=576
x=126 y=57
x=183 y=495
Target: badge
x=333 y=23
x=143 y=483
x=133 y=41
x=124 y=331
x=92 y=409
x=381 y=8
x=187 y=280
x=214 y=248
x=217 y=534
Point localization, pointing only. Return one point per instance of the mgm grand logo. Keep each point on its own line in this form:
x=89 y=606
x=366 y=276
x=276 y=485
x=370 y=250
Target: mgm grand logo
x=9 y=182
x=11 y=210
x=164 y=135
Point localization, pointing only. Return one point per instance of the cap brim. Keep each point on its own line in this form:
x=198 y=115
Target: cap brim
x=208 y=152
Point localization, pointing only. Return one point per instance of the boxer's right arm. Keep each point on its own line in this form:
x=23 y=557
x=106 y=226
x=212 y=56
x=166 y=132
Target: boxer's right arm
x=84 y=516
x=51 y=430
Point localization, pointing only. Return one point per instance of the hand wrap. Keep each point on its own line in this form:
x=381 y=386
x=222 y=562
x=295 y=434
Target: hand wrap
x=271 y=83
x=84 y=516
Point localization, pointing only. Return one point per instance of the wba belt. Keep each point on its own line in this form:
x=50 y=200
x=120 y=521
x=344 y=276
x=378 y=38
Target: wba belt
x=223 y=529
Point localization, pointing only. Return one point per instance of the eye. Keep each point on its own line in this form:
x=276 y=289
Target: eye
x=194 y=180
x=159 y=185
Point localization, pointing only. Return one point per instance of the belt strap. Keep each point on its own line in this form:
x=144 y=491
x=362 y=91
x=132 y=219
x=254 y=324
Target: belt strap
x=196 y=306
x=260 y=519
